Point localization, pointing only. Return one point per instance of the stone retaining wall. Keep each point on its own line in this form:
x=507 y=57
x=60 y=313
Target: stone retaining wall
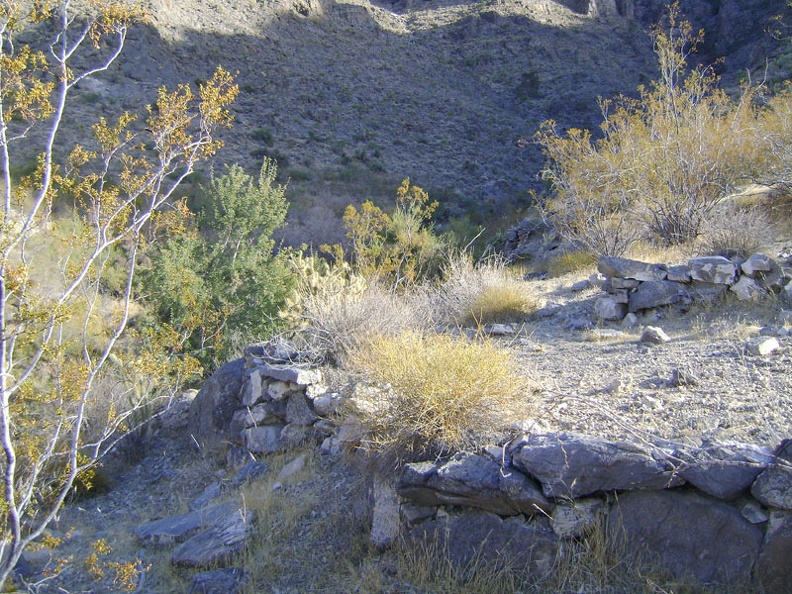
x=634 y=286
x=719 y=513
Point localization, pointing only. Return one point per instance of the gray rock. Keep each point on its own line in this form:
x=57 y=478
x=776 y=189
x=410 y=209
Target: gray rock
x=581 y=286
x=302 y=376
x=254 y=387
x=263 y=440
x=606 y=308
x=773 y=570
x=762 y=347
x=747 y=289
x=250 y=472
x=758 y=264
x=487 y=540
x=218 y=545
x=713 y=269
x=299 y=411
x=654 y=335
x=327 y=404
x=576 y=519
x=754 y=513
x=706 y=292
x=679 y=274
x=386 y=521
x=656 y=294
x=179 y=528
x=572 y=466
x=617 y=284
x=279 y=390
x=630 y=320
x=686 y=534
x=724 y=470
x=218 y=581
x=210 y=493
x=524 y=493
x=630 y=269
x=773 y=487
x=212 y=409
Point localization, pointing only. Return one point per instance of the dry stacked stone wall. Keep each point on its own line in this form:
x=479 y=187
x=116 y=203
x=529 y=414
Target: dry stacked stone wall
x=719 y=513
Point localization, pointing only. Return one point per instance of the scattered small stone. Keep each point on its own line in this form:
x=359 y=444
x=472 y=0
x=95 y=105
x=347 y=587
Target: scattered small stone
x=763 y=346
x=630 y=320
x=654 y=335
x=680 y=377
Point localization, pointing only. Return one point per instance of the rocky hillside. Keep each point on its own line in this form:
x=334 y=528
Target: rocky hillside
x=352 y=96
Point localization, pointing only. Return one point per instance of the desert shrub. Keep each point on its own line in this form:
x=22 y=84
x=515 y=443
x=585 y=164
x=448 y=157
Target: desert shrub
x=571 y=261
x=398 y=249
x=436 y=392
x=664 y=159
x=333 y=308
x=732 y=231
x=220 y=282
x=483 y=293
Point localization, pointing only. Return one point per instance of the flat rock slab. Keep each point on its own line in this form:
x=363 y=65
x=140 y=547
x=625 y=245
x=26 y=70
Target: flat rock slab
x=725 y=471
x=687 y=535
x=631 y=269
x=572 y=466
x=218 y=581
x=218 y=545
x=485 y=538
x=180 y=528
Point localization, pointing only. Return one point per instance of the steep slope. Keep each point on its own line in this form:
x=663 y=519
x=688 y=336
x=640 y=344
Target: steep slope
x=352 y=96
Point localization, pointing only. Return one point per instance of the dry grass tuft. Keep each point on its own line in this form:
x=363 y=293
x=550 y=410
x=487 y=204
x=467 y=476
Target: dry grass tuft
x=438 y=392
x=737 y=232
x=569 y=262
x=482 y=294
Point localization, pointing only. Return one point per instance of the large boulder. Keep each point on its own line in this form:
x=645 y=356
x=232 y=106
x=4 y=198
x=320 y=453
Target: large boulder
x=213 y=408
x=724 y=470
x=484 y=538
x=686 y=535
x=571 y=466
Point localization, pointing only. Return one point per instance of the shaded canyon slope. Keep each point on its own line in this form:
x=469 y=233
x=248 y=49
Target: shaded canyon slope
x=352 y=96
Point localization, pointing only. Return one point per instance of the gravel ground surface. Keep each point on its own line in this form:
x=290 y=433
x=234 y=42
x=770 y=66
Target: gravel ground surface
x=702 y=384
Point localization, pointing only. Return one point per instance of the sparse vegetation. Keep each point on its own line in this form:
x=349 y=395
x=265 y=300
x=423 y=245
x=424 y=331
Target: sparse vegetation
x=489 y=292
x=436 y=392
x=665 y=159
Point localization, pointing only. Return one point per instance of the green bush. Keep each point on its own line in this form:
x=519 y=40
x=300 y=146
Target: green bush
x=219 y=282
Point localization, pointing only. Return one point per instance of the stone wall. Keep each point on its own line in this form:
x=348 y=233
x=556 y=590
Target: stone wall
x=720 y=513
x=634 y=287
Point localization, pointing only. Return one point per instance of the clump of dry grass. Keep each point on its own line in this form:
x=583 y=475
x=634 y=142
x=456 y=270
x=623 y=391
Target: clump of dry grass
x=482 y=294
x=333 y=308
x=732 y=231
x=571 y=261
x=438 y=392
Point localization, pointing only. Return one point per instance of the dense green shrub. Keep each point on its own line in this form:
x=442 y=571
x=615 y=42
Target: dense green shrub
x=220 y=282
